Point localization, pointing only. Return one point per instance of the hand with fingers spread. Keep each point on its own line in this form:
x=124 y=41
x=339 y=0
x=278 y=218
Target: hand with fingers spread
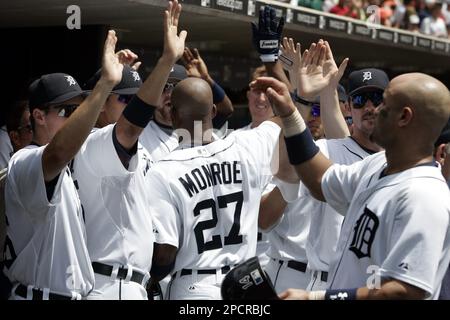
x=111 y=66
x=318 y=70
x=291 y=58
x=278 y=94
x=194 y=64
x=330 y=68
x=128 y=57
x=173 y=43
x=267 y=35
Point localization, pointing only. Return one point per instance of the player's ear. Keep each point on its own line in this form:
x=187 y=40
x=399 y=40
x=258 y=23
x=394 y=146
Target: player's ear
x=440 y=153
x=406 y=115
x=38 y=116
x=213 y=111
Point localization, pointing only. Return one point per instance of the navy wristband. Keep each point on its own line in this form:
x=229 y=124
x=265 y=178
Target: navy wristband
x=301 y=147
x=218 y=93
x=138 y=112
x=341 y=294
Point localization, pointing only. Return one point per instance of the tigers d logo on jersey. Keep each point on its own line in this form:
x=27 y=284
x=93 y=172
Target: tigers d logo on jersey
x=364 y=234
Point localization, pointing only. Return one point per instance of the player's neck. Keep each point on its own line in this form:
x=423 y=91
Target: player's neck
x=364 y=141
x=400 y=159
x=199 y=133
x=41 y=137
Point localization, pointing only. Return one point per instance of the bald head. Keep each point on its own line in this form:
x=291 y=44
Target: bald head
x=192 y=99
x=427 y=96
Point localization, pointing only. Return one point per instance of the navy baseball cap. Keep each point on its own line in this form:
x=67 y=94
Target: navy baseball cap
x=367 y=80
x=248 y=281
x=128 y=85
x=53 y=88
x=342 y=95
x=177 y=73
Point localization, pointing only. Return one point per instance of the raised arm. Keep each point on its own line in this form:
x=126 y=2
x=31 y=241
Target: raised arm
x=333 y=121
x=135 y=117
x=310 y=164
x=196 y=67
x=68 y=140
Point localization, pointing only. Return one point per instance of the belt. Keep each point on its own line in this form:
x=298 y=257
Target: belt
x=122 y=272
x=38 y=294
x=324 y=276
x=185 y=272
x=296 y=265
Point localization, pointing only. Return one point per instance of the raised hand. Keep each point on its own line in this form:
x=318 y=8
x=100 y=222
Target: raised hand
x=111 y=66
x=291 y=59
x=330 y=68
x=267 y=34
x=173 y=43
x=128 y=57
x=194 y=64
x=278 y=94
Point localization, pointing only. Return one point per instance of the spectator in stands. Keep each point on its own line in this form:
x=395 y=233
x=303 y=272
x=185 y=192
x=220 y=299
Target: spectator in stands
x=350 y=8
x=414 y=23
x=434 y=25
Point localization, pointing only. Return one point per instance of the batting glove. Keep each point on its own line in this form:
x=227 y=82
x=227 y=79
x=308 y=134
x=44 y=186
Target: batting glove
x=267 y=35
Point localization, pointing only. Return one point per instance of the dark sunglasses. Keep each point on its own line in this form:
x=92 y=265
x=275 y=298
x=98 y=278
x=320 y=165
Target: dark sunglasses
x=315 y=110
x=124 y=98
x=360 y=99
x=65 y=110
x=27 y=128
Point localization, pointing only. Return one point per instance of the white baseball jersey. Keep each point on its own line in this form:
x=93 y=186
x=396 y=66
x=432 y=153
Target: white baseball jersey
x=5 y=148
x=325 y=221
x=206 y=198
x=46 y=240
x=396 y=226
x=115 y=202
x=157 y=142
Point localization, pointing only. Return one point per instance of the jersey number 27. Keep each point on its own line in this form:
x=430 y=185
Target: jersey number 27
x=233 y=236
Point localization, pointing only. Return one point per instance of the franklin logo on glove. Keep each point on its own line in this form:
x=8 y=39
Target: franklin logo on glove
x=267 y=34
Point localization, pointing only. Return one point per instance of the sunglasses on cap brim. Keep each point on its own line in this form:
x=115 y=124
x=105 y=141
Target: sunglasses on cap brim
x=65 y=110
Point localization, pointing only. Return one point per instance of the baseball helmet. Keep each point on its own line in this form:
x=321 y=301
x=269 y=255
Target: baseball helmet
x=248 y=281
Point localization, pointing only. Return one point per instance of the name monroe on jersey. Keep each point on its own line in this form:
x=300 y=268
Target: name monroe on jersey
x=211 y=174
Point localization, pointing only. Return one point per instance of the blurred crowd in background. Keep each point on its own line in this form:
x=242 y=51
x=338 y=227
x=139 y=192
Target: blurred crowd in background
x=430 y=17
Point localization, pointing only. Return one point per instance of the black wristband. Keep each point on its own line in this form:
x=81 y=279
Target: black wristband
x=138 y=112
x=218 y=93
x=341 y=294
x=301 y=147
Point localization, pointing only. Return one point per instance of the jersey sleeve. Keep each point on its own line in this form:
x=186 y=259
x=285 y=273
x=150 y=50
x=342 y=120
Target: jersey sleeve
x=98 y=156
x=419 y=234
x=339 y=184
x=26 y=179
x=261 y=144
x=166 y=219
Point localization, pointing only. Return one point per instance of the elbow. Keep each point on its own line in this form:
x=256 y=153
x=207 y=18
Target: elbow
x=264 y=223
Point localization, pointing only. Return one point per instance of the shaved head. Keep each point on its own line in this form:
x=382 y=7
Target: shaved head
x=428 y=97
x=192 y=99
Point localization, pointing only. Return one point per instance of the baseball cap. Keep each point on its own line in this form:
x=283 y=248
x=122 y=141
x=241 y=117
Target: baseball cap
x=342 y=95
x=365 y=79
x=178 y=73
x=248 y=281
x=53 y=88
x=129 y=84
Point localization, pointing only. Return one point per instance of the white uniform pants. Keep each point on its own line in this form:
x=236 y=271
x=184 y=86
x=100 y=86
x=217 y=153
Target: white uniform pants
x=116 y=289
x=318 y=280
x=284 y=277
x=195 y=286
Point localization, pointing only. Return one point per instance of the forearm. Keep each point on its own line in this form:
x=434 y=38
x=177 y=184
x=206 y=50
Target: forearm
x=275 y=69
x=151 y=89
x=271 y=209
x=68 y=140
x=333 y=121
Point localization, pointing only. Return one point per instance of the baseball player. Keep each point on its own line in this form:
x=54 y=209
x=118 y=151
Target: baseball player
x=45 y=251
x=395 y=238
x=158 y=137
x=206 y=196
